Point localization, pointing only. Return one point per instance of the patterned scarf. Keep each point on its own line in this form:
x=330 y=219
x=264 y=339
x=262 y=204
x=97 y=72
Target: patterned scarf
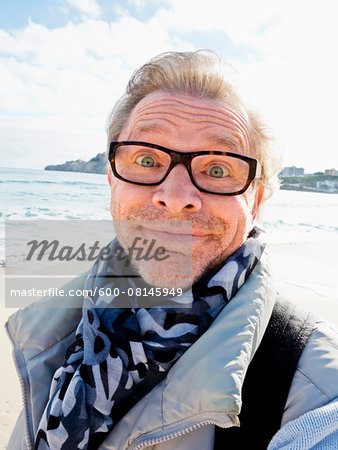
x=120 y=354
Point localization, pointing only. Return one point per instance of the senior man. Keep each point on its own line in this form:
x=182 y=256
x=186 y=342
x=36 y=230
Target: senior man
x=190 y=166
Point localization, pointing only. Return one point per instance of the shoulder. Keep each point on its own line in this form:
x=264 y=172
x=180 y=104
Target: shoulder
x=314 y=383
x=316 y=429
x=45 y=322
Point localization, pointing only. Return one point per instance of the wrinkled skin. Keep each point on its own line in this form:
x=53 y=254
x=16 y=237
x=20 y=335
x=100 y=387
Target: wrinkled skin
x=217 y=225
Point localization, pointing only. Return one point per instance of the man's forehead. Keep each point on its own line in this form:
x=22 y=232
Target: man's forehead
x=156 y=128
x=195 y=104
x=160 y=113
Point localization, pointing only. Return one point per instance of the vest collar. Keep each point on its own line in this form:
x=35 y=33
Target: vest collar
x=204 y=386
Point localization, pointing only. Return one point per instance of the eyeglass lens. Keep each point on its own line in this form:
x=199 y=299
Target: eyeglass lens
x=214 y=173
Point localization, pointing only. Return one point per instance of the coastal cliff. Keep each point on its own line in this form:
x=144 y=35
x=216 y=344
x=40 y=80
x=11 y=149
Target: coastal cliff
x=97 y=164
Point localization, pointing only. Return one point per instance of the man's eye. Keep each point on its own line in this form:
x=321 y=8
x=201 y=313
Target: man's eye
x=217 y=172
x=146 y=161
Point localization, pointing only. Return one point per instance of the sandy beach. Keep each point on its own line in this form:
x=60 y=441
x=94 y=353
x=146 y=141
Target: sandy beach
x=305 y=273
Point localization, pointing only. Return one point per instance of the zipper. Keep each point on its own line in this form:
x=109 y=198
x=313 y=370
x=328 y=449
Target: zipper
x=139 y=443
x=24 y=393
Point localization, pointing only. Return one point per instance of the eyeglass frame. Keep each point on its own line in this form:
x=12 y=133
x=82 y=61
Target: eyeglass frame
x=185 y=159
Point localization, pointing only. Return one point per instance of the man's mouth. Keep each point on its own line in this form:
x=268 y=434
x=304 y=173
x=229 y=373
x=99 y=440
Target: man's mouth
x=171 y=237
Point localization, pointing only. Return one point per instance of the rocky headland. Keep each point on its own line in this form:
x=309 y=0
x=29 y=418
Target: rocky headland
x=97 y=164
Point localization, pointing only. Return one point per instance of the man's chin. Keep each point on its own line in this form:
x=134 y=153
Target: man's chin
x=176 y=272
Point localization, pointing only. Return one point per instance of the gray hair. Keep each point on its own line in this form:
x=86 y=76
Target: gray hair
x=201 y=74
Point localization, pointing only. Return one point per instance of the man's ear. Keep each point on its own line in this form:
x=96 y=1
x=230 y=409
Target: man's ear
x=109 y=175
x=259 y=194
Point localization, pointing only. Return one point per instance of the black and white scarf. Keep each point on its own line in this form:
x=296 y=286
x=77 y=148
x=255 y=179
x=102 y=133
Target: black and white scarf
x=120 y=354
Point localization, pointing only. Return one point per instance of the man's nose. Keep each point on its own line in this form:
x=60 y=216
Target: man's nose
x=177 y=193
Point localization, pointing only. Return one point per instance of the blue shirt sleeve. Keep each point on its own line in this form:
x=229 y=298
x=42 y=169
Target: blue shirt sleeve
x=317 y=429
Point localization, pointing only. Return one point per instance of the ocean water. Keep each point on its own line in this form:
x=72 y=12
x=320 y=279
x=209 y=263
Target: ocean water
x=38 y=194
x=301 y=217
x=288 y=217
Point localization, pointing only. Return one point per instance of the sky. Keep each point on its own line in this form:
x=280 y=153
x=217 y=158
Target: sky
x=64 y=63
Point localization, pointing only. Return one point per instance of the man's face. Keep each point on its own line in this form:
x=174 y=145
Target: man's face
x=219 y=224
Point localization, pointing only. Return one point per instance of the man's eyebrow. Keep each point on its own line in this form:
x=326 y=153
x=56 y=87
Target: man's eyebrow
x=227 y=142
x=150 y=128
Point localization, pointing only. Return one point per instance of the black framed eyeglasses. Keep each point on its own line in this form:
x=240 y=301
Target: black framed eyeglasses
x=213 y=172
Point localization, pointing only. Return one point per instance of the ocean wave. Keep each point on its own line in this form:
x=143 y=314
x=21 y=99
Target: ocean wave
x=299 y=226
x=67 y=183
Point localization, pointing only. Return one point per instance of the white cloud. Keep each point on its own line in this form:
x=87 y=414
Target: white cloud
x=240 y=20
x=295 y=83
x=68 y=78
x=75 y=69
x=290 y=74
x=88 y=8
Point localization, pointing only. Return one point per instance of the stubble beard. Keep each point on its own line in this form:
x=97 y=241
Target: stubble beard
x=184 y=267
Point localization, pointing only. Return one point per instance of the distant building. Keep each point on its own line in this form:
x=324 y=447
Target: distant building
x=330 y=186
x=331 y=172
x=292 y=172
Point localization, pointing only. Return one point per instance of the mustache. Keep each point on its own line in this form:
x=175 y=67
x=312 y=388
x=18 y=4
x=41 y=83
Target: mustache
x=206 y=222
